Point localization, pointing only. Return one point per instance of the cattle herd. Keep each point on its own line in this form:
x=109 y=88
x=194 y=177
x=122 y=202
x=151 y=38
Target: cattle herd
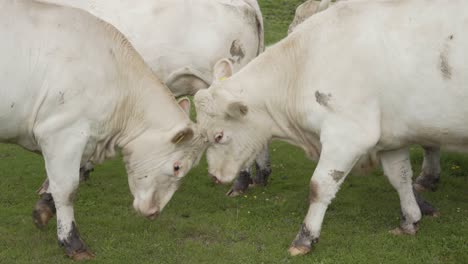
x=351 y=84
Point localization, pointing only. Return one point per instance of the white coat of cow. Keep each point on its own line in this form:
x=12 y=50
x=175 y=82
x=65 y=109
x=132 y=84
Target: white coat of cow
x=361 y=76
x=74 y=90
x=430 y=171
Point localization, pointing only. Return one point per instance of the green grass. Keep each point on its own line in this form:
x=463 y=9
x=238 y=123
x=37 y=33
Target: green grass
x=201 y=225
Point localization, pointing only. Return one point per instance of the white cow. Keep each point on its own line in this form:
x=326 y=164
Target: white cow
x=182 y=40
x=430 y=171
x=74 y=90
x=362 y=76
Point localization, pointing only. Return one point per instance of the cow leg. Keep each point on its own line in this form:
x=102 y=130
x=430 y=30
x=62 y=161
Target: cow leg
x=62 y=155
x=244 y=180
x=45 y=209
x=430 y=172
x=241 y=184
x=263 y=168
x=336 y=161
x=86 y=170
x=425 y=207
x=397 y=167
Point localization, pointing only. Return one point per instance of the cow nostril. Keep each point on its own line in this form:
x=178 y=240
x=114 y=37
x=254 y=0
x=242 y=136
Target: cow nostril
x=215 y=180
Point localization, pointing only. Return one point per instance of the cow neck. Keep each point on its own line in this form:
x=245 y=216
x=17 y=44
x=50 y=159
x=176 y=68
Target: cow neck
x=145 y=103
x=268 y=85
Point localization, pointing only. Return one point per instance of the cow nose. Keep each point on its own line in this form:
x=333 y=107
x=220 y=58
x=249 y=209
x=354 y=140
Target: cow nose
x=153 y=215
x=215 y=180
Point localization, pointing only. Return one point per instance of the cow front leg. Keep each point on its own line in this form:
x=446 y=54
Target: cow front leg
x=44 y=210
x=397 y=167
x=263 y=167
x=335 y=162
x=62 y=153
x=241 y=184
x=430 y=172
x=244 y=180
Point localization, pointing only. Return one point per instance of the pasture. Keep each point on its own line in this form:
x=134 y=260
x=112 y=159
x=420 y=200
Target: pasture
x=202 y=225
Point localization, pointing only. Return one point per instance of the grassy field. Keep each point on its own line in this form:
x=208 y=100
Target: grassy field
x=202 y=225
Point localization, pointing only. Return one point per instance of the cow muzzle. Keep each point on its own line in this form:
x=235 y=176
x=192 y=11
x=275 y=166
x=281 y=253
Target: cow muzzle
x=147 y=210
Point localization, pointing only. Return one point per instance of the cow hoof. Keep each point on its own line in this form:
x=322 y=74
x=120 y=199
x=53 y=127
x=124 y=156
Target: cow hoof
x=41 y=218
x=233 y=193
x=420 y=188
x=426 y=183
x=435 y=214
x=298 y=250
x=42 y=214
x=401 y=231
x=83 y=255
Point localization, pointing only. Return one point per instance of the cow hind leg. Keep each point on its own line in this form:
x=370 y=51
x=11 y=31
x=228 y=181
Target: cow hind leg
x=397 y=167
x=430 y=172
x=425 y=207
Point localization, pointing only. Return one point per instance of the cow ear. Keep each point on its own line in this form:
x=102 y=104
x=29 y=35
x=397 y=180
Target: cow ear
x=182 y=136
x=184 y=103
x=222 y=69
x=237 y=110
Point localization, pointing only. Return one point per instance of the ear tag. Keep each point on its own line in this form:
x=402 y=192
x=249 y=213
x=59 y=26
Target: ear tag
x=223 y=78
x=179 y=139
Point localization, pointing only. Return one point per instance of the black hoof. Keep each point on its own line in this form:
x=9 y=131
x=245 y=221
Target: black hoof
x=425 y=207
x=241 y=185
x=425 y=183
x=74 y=246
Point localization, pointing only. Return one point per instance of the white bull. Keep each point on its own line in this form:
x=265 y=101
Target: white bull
x=182 y=40
x=430 y=171
x=74 y=90
x=360 y=77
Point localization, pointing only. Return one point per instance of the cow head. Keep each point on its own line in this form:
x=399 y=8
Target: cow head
x=157 y=160
x=232 y=128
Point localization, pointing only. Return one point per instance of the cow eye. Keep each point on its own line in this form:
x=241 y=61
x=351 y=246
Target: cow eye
x=219 y=137
x=177 y=168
